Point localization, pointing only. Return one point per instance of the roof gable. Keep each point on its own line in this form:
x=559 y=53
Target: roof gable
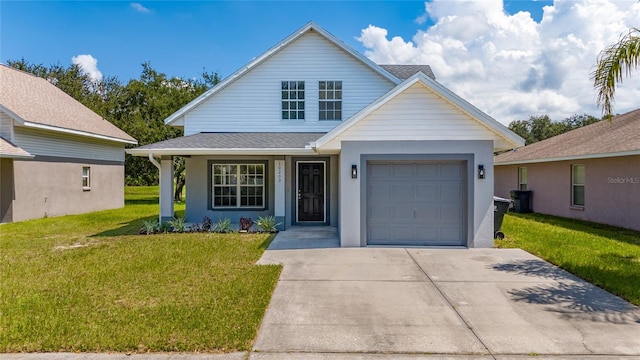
x=618 y=137
x=34 y=102
x=417 y=124
x=177 y=117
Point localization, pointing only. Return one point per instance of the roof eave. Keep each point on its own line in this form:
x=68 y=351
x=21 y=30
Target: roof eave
x=209 y=151
x=77 y=132
x=570 y=157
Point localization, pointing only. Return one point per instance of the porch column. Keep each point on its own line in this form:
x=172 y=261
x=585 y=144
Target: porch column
x=279 y=193
x=166 y=188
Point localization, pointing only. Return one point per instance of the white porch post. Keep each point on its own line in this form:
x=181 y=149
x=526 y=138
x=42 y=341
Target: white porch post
x=166 y=188
x=279 y=193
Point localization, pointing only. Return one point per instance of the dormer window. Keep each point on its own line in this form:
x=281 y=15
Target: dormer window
x=330 y=100
x=292 y=100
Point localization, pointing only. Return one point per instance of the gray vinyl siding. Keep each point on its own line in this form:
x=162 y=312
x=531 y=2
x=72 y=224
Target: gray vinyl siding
x=253 y=102
x=54 y=144
x=6 y=126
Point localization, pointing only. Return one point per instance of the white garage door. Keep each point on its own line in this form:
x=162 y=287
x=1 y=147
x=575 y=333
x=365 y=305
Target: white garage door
x=415 y=203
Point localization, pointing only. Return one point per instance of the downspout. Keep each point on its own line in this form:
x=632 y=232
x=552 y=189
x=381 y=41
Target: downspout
x=154 y=161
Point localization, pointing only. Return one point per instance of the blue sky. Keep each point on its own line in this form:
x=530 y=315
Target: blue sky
x=182 y=38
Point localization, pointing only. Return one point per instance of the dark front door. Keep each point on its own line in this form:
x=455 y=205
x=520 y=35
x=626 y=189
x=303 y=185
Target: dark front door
x=311 y=203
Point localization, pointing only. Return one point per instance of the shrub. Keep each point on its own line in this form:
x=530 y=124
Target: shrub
x=150 y=226
x=267 y=223
x=178 y=224
x=207 y=224
x=245 y=224
x=223 y=226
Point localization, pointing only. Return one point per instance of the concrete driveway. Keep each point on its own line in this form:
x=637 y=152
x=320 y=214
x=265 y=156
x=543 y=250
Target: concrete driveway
x=421 y=303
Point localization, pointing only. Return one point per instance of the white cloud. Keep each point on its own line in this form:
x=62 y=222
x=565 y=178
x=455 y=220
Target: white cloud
x=89 y=65
x=140 y=8
x=510 y=66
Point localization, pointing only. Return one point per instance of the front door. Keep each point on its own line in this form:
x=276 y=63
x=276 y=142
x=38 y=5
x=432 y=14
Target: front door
x=311 y=191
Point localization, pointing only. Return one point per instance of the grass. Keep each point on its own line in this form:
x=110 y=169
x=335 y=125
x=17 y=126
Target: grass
x=89 y=283
x=606 y=256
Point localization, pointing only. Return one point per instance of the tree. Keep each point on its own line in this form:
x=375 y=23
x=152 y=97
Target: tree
x=613 y=62
x=138 y=108
x=539 y=128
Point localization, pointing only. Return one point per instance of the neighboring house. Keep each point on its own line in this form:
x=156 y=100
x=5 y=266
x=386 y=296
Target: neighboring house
x=590 y=173
x=315 y=133
x=57 y=157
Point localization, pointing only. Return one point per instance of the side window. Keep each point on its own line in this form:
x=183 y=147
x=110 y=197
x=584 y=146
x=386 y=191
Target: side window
x=86 y=178
x=292 y=96
x=577 y=185
x=522 y=178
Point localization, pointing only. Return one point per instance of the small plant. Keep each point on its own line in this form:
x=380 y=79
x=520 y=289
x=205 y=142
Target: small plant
x=195 y=228
x=150 y=226
x=207 y=224
x=267 y=224
x=245 y=224
x=223 y=226
x=178 y=224
x=164 y=227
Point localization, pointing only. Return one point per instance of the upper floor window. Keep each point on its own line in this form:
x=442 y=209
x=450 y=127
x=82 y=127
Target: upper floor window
x=86 y=178
x=577 y=185
x=292 y=100
x=330 y=100
x=522 y=178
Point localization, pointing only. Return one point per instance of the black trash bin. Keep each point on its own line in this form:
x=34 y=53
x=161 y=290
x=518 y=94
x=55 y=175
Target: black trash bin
x=522 y=201
x=500 y=207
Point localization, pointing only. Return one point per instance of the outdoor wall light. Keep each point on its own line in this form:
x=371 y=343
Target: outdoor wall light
x=354 y=171
x=480 y=171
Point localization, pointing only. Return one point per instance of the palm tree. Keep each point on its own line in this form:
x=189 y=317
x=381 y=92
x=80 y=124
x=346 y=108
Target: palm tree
x=614 y=61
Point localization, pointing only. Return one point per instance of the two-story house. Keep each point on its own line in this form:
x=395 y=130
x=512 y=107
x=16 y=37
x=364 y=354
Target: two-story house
x=315 y=133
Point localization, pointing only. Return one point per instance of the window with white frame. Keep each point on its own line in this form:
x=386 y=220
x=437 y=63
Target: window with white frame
x=86 y=178
x=577 y=185
x=292 y=100
x=238 y=185
x=330 y=100
x=522 y=178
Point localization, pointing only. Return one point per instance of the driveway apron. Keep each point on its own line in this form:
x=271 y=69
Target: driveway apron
x=483 y=302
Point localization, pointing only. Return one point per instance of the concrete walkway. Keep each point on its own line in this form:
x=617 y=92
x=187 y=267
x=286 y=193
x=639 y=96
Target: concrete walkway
x=483 y=303
x=419 y=304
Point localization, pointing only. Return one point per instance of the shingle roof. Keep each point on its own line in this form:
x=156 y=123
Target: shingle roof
x=10 y=150
x=285 y=140
x=35 y=100
x=619 y=136
x=404 y=72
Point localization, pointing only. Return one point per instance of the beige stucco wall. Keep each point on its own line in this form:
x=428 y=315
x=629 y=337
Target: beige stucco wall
x=612 y=189
x=45 y=189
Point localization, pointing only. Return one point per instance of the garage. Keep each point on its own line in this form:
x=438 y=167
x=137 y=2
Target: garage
x=416 y=203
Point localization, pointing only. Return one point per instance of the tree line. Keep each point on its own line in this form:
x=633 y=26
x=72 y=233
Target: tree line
x=541 y=127
x=138 y=107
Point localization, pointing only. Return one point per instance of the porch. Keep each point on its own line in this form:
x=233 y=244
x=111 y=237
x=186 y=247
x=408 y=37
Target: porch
x=306 y=237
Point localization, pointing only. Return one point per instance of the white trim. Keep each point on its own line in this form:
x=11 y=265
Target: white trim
x=571 y=157
x=484 y=119
x=76 y=132
x=8 y=156
x=30 y=124
x=268 y=54
x=324 y=191
x=205 y=151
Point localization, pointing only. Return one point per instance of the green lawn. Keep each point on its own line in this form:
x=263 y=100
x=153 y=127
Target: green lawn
x=90 y=283
x=604 y=255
